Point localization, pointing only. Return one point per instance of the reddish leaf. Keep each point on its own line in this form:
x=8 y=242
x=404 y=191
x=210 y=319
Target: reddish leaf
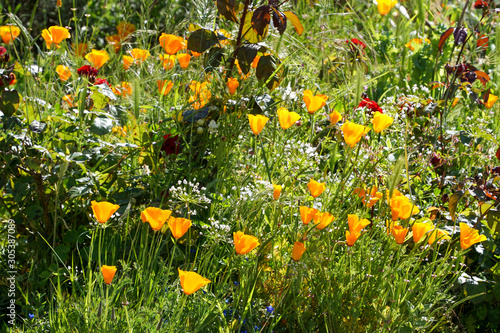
x=482 y=76
x=279 y=20
x=482 y=41
x=498 y=153
x=444 y=37
x=261 y=18
x=436 y=84
x=295 y=21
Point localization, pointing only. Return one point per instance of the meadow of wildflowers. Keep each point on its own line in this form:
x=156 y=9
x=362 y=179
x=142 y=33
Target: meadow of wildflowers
x=250 y=166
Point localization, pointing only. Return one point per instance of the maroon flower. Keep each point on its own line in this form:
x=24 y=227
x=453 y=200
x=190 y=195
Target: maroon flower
x=88 y=71
x=99 y=81
x=370 y=105
x=436 y=161
x=171 y=145
x=4 y=56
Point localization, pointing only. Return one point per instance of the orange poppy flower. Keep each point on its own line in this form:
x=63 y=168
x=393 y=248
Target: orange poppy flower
x=168 y=61
x=369 y=199
x=307 y=214
x=103 y=210
x=335 y=117
x=385 y=6
x=437 y=235
x=232 y=85
x=139 y=55
x=98 y=58
x=171 y=43
x=115 y=41
x=353 y=132
x=491 y=100
x=298 y=251
x=420 y=229
x=156 y=217
x=416 y=41
x=355 y=224
x=287 y=118
x=324 y=219
x=191 y=281
x=125 y=29
x=402 y=207
x=8 y=33
x=277 y=191
x=314 y=103
x=351 y=237
x=127 y=61
x=63 y=72
x=316 y=188
x=108 y=273
x=124 y=89
x=80 y=50
x=184 y=59
x=243 y=244
x=178 y=226
x=164 y=86
x=399 y=233
x=469 y=236
x=257 y=122
x=55 y=35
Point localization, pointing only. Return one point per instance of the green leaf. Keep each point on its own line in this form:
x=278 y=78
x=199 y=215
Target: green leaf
x=201 y=40
x=493 y=220
x=33 y=212
x=101 y=126
x=100 y=100
x=246 y=55
x=9 y=102
x=106 y=91
x=266 y=69
x=452 y=205
x=78 y=191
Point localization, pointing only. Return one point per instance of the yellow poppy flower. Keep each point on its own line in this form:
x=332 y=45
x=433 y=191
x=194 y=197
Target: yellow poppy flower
x=335 y=117
x=491 y=100
x=298 y=250
x=127 y=61
x=307 y=214
x=287 y=118
x=420 y=229
x=385 y=6
x=139 y=55
x=324 y=219
x=469 y=236
x=314 y=103
x=63 y=72
x=402 y=207
x=55 y=35
x=8 y=33
x=355 y=224
x=381 y=121
x=316 y=188
x=244 y=243
x=353 y=132
x=103 y=210
x=257 y=122
x=156 y=217
x=437 y=235
x=108 y=273
x=97 y=57
x=178 y=226
x=191 y=281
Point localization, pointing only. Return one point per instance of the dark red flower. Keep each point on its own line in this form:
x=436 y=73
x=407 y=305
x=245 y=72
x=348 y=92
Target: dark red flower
x=88 y=71
x=4 y=56
x=99 y=81
x=171 y=145
x=356 y=42
x=371 y=106
x=480 y=4
x=436 y=161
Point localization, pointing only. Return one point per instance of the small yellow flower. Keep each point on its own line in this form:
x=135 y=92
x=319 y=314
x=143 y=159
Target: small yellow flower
x=257 y=123
x=469 y=236
x=178 y=226
x=97 y=57
x=277 y=191
x=307 y=214
x=385 y=6
x=298 y=251
x=55 y=35
x=63 y=72
x=399 y=233
x=156 y=217
x=287 y=118
x=381 y=121
x=355 y=224
x=243 y=244
x=353 y=132
x=103 y=210
x=314 y=103
x=335 y=117
x=108 y=273
x=232 y=85
x=316 y=188
x=191 y=281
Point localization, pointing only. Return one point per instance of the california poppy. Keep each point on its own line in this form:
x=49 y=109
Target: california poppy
x=402 y=207
x=277 y=191
x=351 y=237
x=8 y=33
x=324 y=219
x=307 y=214
x=232 y=85
x=399 y=233
x=139 y=55
x=115 y=41
x=63 y=72
x=287 y=118
x=127 y=61
x=437 y=235
x=191 y=281
x=385 y=6
x=184 y=59
x=55 y=35
x=178 y=226
x=469 y=236
x=168 y=61
x=314 y=103
x=156 y=217
x=335 y=117
x=257 y=122
x=125 y=29
x=420 y=229
x=80 y=50
x=491 y=100
x=416 y=41
x=108 y=273
x=243 y=244
x=355 y=224
x=353 y=132
x=369 y=199
x=381 y=121
x=171 y=43
x=298 y=251
x=103 y=210
x=316 y=188
x=98 y=58
x=164 y=86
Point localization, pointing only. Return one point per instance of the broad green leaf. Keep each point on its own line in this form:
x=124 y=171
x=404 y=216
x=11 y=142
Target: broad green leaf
x=249 y=32
x=493 y=220
x=246 y=55
x=100 y=101
x=265 y=69
x=9 y=102
x=101 y=126
x=201 y=40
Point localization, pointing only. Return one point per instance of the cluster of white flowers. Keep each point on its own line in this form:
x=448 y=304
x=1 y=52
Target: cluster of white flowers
x=190 y=192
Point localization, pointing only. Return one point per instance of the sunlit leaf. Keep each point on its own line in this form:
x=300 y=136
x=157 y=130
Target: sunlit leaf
x=279 y=20
x=9 y=102
x=249 y=33
x=229 y=9
x=260 y=19
x=454 y=199
x=201 y=40
x=295 y=21
x=444 y=37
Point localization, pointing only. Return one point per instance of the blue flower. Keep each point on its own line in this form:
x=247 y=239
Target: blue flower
x=270 y=309
x=31 y=316
x=236 y=283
